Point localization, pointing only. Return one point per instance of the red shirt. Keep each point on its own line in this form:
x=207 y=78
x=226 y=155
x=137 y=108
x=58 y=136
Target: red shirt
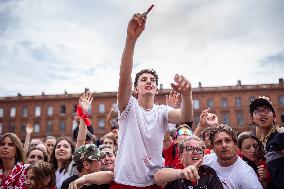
x=170 y=160
x=16 y=178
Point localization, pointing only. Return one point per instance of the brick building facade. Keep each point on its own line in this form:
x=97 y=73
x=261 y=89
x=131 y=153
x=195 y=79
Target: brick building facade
x=53 y=114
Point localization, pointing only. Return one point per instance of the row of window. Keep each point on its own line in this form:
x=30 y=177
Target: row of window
x=50 y=110
x=224 y=102
x=49 y=126
x=225 y=119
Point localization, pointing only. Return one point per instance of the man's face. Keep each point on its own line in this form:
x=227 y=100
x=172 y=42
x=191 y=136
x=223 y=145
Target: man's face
x=50 y=143
x=192 y=152
x=146 y=85
x=263 y=117
x=35 y=142
x=109 y=160
x=224 y=146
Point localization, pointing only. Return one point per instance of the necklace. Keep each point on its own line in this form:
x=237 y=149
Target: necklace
x=264 y=139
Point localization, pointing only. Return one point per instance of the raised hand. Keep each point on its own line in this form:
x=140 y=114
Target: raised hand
x=29 y=128
x=181 y=85
x=136 y=25
x=212 y=120
x=208 y=119
x=85 y=101
x=172 y=99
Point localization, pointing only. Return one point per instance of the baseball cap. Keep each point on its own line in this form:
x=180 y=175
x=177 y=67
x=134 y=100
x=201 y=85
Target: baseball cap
x=261 y=101
x=87 y=151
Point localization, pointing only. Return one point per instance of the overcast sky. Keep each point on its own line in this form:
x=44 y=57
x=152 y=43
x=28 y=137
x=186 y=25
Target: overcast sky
x=53 y=46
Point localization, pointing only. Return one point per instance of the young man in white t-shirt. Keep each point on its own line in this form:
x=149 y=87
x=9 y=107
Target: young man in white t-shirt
x=233 y=172
x=142 y=124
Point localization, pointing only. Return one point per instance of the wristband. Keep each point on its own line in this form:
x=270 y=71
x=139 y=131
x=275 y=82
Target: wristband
x=83 y=115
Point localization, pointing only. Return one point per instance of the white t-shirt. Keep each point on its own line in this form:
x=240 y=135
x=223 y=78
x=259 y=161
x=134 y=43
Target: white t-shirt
x=140 y=143
x=237 y=176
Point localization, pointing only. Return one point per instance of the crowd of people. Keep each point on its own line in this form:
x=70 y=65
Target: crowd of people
x=151 y=146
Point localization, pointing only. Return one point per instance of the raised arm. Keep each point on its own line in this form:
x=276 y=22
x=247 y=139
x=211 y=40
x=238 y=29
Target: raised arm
x=85 y=102
x=171 y=100
x=182 y=86
x=29 y=131
x=135 y=27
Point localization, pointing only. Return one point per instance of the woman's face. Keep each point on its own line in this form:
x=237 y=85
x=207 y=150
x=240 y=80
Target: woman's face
x=250 y=149
x=63 y=150
x=34 y=156
x=8 y=149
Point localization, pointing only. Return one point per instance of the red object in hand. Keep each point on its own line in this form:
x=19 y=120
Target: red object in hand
x=83 y=115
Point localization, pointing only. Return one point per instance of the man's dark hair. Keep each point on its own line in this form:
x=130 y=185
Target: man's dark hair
x=222 y=128
x=206 y=132
x=151 y=71
x=80 y=165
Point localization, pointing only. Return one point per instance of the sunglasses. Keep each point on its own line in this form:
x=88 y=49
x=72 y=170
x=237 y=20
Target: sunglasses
x=184 y=131
x=192 y=149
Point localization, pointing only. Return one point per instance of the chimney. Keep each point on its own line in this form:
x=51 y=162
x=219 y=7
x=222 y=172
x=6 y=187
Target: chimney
x=199 y=84
x=239 y=83
x=280 y=80
x=161 y=86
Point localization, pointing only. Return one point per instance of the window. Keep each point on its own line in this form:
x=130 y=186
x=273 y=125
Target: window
x=224 y=102
x=49 y=128
x=281 y=100
x=226 y=119
x=238 y=102
x=62 y=126
x=74 y=124
x=240 y=118
x=62 y=110
x=1 y=112
x=49 y=110
x=13 y=112
x=23 y=128
x=1 y=128
x=196 y=104
x=25 y=111
x=101 y=108
x=196 y=118
x=115 y=107
x=36 y=128
x=251 y=98
x=101 y=123
x=90 y=110
x=12 y=128
x=37 y=111
x=210 y=103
